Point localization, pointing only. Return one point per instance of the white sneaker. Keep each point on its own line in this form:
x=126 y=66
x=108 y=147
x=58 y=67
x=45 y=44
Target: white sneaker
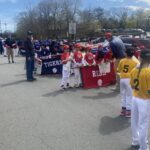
x=63 y=87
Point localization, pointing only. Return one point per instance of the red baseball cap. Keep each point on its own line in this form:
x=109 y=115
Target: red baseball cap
x=77 y=45
x=66 y=47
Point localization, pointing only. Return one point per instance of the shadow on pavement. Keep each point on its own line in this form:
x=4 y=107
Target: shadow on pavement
x=110 y=125
x=49 y=76
x=102 y=96
x=13 y=83
x=61 y=91
x=6 y=63
x=133 y=148
x=130 y=148
x=54 y=94
x=17 y=75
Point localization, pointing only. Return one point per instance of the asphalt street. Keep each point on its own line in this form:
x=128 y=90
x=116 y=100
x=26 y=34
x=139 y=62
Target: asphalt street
x=41 y=116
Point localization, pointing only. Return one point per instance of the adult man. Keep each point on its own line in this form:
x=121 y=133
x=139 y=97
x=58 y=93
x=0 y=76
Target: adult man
x=10 y=44
x=118 y=49
x=30 y=55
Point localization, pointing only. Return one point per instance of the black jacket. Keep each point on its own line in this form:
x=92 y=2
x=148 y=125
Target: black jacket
x=28 y=45
x=10 y=42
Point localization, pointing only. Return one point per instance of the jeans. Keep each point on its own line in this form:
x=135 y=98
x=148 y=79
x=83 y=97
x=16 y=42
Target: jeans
x=29 y=68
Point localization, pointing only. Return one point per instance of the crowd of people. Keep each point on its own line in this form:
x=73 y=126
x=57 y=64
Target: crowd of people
x=134 y=77
x=132 y=73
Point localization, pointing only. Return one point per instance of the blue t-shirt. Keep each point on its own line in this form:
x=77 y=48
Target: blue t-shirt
x=117 y=47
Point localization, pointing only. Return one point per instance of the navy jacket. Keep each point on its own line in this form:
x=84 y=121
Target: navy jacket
x=28 y=45
x=10 y=42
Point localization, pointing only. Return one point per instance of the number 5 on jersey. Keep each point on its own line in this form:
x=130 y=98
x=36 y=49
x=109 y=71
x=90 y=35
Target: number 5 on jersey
x=126 y=68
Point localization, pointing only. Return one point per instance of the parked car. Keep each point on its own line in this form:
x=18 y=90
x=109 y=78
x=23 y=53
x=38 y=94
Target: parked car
x=98 y=40
x=137 y=41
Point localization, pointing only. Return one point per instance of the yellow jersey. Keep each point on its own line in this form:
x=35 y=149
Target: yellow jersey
x=136 y=60
x=134 y=81
x=141 y=83
x=125 y=66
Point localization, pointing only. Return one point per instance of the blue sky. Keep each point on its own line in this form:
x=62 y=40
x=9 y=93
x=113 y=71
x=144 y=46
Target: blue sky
x=10 y=8
x=117 y=3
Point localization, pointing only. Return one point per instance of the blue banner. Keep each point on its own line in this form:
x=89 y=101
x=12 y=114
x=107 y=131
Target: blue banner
x=52 y=66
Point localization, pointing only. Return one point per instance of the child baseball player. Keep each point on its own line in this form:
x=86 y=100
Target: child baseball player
x=140 y=115
x=78 y=62
x=66 y=61
x=125 y=66
x=89 y=59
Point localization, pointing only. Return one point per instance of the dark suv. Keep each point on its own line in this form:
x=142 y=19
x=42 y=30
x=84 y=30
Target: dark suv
x=136 y=41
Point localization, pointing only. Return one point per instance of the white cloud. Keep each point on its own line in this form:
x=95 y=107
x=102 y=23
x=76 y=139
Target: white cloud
x=146 y=1
x=134 y=8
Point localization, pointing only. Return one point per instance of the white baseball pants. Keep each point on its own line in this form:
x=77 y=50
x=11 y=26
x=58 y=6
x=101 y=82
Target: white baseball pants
x=126 y=93
x=140 y=116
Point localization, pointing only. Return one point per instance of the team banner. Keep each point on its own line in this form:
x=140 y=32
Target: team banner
x=52 y=65
x=98 y=76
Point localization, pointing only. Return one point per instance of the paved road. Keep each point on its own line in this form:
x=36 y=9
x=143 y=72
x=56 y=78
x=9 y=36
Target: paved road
x=40 y=116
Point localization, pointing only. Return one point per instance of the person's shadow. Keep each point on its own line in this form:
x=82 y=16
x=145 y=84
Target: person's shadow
x=133 y=148
x=102 y=95
x=13 y=83
x=61 y=91
x=110 y=125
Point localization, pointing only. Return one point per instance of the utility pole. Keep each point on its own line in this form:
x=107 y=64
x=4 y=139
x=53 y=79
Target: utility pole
x=0 y=28
x=5 y=26
x=148 y=23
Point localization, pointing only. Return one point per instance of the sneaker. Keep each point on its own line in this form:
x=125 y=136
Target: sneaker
x=13 y=62
x=63 y=87
x=80 y=85
x=123 y=112
x=9 y=61
x=76 y=86
x=30 y=80
x=68 y=85
x=135 y=146
x=128 y=114
x=34 y=79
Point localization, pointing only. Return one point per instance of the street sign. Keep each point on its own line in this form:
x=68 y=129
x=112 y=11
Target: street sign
x=72 y=28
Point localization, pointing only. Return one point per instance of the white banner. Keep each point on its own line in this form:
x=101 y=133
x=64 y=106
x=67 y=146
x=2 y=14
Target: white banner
x=72 y=28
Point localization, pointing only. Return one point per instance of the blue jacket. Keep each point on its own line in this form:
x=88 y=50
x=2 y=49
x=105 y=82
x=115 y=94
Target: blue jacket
x=28 y=45
x=117 y=47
